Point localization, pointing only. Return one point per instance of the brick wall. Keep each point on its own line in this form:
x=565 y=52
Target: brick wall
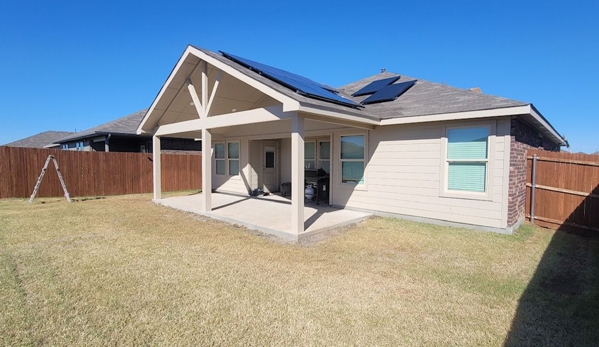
x=523 y=136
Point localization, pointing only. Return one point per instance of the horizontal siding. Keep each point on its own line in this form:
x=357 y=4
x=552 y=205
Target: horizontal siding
x=425 y=199
x=403 y=176
x=453 y=216
x=375 y=161
x=233 y=184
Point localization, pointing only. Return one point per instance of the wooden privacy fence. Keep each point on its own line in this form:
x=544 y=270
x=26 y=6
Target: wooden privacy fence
x=562 y=190
x=93 y=173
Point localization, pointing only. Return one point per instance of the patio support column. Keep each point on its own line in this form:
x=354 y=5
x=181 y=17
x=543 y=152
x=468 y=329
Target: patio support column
x=156 y=168
x=207 y=170
x=297 y=174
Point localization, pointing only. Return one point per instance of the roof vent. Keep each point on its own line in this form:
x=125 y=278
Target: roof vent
x=476 y=90
x=383 y=70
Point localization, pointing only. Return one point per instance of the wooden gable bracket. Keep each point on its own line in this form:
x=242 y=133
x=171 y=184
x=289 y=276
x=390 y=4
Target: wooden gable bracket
x=203 y=107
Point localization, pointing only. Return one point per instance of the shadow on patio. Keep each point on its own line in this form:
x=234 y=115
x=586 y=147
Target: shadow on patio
x=269 y=214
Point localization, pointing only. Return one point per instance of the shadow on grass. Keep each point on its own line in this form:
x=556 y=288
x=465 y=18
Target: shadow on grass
x=560 y=306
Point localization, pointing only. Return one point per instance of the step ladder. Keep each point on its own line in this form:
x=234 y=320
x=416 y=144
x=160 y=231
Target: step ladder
x=39 y=180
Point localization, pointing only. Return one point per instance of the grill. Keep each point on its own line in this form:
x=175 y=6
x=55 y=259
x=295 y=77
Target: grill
x=319 y=180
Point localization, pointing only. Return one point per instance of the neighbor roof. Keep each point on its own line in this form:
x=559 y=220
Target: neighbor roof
x=41 y=140
x=123 y=126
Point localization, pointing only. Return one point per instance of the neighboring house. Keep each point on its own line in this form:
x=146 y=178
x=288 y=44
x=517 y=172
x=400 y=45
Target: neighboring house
x=392 y=145
x=120 y=136
x=42 y=140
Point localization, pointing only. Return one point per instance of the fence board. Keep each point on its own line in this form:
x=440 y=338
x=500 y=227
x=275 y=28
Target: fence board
x=93 y=173
x=567 y=193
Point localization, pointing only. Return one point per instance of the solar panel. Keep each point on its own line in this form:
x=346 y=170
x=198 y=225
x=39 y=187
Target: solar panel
x=375 y=86
x=389 y=93
x=297 y=83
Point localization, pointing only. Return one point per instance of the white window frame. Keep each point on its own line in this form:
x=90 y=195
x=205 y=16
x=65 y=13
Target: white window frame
x=487 y=195
x=339 y=174
x=315 y=159
x=229 y=160
x=224 y=159
x=318 y=152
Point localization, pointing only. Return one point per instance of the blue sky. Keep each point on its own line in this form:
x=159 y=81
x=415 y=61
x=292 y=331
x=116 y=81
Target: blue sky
x=67 y=65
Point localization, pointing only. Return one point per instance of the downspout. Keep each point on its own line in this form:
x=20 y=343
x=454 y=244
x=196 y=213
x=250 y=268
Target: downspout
x=107 y=143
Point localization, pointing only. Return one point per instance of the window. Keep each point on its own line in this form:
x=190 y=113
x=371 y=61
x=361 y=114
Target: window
x=219 y=155
x=233 y=158
x=324 y=156
x=79 y=145
x=310 y=155
x=269 y=157
x=352 y=159
x=467 y=159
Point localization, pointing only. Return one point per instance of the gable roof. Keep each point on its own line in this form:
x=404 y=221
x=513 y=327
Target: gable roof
x=123 y=126
x=419 y=103
x=41 y=140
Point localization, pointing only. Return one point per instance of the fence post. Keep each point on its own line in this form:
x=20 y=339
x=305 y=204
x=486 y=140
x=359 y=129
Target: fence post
x=532 y=189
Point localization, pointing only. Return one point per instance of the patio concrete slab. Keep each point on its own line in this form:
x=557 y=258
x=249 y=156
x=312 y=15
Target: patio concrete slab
x=269 y=214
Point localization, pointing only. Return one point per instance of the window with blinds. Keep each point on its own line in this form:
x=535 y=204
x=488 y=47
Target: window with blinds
x=352 y=152
x=467 y=159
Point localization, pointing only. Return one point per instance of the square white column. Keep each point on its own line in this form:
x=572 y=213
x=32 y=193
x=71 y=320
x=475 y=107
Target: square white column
x=156 y=168
x=207 y=170
x=297 y=174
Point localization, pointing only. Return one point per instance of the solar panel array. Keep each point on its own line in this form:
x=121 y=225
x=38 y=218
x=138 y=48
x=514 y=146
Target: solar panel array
x=297 y=83
x=375 y=86
x=389 y=92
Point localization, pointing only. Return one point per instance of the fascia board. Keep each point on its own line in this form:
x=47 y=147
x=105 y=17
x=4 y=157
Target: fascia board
x=539 y=118
x=338 y=115
x=498 y=112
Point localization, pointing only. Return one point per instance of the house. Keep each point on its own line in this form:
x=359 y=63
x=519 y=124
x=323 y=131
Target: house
x=42 y=140
x=120 y=135
x=391 y=145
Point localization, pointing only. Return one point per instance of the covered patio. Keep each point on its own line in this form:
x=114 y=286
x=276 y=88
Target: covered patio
x=269 y=214
x=253 y=134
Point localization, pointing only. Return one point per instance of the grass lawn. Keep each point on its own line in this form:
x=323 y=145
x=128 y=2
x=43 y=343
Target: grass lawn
x=124 y=271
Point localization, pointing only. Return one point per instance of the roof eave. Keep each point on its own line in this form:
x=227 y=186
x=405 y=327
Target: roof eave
x=439 y=117
x=522 y=110
x=545 y=123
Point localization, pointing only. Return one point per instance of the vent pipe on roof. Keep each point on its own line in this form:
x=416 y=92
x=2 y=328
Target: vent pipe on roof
x=383 y=70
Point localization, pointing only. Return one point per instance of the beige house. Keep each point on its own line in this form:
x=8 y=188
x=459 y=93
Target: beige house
x=389 y=145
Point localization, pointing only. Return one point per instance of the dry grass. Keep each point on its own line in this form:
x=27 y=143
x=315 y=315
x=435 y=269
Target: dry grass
x=124 y=271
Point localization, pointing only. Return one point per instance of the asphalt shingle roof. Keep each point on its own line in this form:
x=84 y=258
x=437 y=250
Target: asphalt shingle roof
x=123 y=126
x=39 y=140
x=424 y=98
x=427 y=98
